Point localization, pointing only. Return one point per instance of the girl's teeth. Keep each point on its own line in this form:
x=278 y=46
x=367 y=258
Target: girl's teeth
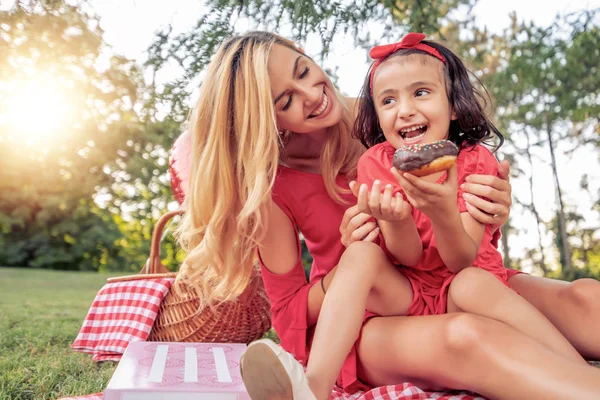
x=414 y=139
x=414 y=128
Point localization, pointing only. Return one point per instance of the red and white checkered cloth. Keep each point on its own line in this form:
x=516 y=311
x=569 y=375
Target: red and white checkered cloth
x=122 y=312
x=405 y=391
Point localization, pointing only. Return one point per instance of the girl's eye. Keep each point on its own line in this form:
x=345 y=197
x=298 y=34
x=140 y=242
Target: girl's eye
x=304 y=73
x=288 y=104
x=388 y=101
x=421 y=92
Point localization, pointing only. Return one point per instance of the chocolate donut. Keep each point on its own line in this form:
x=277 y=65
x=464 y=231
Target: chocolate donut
x=426 y=159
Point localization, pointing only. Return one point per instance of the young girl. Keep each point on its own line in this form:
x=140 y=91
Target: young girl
x=419 y=92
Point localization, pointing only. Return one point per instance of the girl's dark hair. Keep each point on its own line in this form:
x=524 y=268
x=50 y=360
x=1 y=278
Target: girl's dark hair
x=471 y=126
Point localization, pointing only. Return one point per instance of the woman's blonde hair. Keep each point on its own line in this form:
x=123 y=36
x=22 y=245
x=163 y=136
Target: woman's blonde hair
x=235 y=154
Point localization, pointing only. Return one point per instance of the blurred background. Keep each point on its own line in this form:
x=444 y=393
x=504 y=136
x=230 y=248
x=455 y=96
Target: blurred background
x=94 y=93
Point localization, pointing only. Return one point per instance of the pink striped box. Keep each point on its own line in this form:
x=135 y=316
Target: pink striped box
x=178 y=371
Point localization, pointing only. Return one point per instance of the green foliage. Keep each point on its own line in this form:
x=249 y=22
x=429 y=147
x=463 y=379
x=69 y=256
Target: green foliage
x=547 y=87
x=85 y=196
x=193 y=50
x=307 y=259
x=47 y=214
x=82 y=196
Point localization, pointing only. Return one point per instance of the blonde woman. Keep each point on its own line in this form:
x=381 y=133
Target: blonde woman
x=272 y=155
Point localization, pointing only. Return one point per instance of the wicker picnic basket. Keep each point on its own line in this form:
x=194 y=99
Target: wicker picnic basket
x=180 y=318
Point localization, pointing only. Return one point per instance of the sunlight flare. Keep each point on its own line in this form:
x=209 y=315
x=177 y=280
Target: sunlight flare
x=35 y=112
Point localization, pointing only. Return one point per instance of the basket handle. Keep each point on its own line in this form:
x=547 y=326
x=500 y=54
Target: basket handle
x=153 y=268
x=153 y=265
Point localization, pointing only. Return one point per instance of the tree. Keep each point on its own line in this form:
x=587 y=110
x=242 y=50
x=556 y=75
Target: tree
x=297 y=20
x=67 y=113
x=550 y=84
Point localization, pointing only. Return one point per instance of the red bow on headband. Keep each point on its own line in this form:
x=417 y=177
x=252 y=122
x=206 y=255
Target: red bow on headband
x=411 y=41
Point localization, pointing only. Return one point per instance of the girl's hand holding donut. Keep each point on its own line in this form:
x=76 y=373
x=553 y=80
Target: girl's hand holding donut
x=433 y=199
x=384 y=205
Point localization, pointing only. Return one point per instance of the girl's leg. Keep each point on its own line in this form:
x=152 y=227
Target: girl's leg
x=364 y=279
x=465 y=351
x=477 y=291
x=573 y=307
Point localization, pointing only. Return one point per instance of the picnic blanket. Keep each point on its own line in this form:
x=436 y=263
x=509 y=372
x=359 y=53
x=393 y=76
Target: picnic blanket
x=121 y=313
x=124 y=312
x=406 y=391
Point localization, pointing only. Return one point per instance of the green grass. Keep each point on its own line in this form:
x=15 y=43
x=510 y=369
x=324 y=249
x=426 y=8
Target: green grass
x=40 y=315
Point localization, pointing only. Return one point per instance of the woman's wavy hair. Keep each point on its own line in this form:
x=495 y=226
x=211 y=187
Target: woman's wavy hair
x=471 y=126
x=235 y=155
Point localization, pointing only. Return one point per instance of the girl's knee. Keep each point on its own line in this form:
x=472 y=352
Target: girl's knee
x=582 y=293
x=363 y=255
x=362 y=262
x=471 y=275
x=465 y=284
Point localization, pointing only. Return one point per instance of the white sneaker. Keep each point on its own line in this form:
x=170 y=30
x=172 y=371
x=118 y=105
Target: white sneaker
x=271 y=373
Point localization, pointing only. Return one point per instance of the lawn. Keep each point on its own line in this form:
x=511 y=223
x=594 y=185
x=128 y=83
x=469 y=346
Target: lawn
x=40 y=315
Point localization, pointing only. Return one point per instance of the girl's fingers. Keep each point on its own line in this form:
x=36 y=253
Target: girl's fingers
x=421 y=184
x=374 y=197
x=397 y=175
x=363 y=199
x=398 y=205
x=386 y=199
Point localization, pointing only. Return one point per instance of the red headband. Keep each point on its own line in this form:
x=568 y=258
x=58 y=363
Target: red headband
x=411 y=41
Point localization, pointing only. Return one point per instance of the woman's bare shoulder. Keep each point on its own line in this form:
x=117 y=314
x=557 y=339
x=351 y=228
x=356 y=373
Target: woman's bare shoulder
x=279 y=247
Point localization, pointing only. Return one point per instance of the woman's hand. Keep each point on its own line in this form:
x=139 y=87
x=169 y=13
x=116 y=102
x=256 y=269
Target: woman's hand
x=496 y=210
x=382 y=206
x=357 y=226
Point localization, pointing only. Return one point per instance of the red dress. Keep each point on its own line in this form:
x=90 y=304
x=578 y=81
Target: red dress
x=304 y=199
x=430 y=277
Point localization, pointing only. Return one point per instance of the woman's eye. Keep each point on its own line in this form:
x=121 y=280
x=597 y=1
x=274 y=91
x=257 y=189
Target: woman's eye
x=288 y=104
x=304 y=73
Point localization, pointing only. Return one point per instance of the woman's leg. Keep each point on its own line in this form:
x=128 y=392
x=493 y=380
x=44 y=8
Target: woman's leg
x=465 y=351
x=477 y=291
x=364 y=279
x=573 y=307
